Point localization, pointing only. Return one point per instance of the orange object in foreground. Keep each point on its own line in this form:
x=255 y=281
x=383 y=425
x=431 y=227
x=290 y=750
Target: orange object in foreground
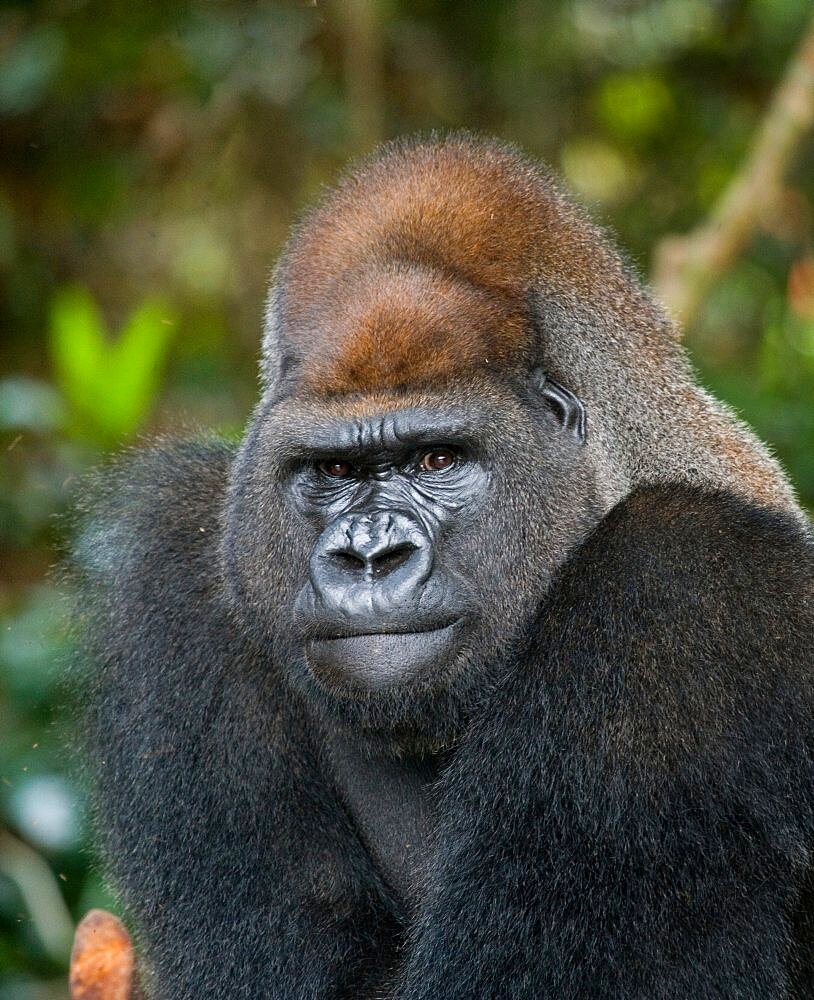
x=102 y=960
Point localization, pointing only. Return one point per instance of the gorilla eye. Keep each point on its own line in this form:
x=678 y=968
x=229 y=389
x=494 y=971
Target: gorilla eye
x=438 y=460
x=336 y=468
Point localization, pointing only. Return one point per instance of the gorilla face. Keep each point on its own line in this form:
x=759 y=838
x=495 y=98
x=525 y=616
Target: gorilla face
x=380 y=606
x=399 y=542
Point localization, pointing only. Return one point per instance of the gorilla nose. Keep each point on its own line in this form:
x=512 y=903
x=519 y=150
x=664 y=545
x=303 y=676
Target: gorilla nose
x=380 y=557
x=372 y=559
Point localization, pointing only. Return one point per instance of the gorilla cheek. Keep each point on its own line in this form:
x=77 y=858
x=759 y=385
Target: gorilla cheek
x=382 y=661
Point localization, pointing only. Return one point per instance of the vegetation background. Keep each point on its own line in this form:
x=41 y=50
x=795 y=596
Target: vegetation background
x=152 y=158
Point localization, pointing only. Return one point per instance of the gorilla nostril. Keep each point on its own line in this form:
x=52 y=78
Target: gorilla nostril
x=377 y=564
x=349 y=561
x=390 y=560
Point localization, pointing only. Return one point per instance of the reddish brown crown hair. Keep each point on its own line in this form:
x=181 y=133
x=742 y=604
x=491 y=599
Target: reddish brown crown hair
x=420 y=266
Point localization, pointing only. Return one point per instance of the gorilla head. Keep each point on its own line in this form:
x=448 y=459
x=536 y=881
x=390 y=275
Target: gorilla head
x=381 y=535
x=419 y=464
x=391 y=598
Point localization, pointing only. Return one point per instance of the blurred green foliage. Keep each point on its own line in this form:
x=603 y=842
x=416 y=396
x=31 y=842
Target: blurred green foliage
x=108 y=382
x=152 y=158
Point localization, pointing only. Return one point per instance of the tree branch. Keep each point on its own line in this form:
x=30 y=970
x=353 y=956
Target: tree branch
x=687 y=266
x=40 y=892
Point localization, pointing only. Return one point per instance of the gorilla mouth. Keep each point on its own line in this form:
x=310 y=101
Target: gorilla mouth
x=375 y=661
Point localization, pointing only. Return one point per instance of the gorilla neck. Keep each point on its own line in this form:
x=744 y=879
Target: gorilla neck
x=392 y=802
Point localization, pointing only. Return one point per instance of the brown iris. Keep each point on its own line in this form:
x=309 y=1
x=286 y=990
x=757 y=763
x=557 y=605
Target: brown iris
x=336 y=468
x=438 y=460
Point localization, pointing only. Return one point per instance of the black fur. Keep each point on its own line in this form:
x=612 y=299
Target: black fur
x=235 y=858
x=628 y=811
x=635 y=814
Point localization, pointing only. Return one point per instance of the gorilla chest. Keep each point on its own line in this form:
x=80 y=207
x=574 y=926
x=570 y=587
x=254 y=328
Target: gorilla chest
x=392 y=804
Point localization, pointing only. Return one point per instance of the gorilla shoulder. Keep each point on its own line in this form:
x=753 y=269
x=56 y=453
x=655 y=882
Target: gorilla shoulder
x=679 y=522
x=148 y=527
x=695 y=592
x=703 y=568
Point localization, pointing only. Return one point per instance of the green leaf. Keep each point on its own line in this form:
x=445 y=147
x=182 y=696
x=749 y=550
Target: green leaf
x=77 y=346
x=134 y=366
x=109 y=384
x=634 y=105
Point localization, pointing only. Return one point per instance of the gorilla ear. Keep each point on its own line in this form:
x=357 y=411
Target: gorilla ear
x=568 y=408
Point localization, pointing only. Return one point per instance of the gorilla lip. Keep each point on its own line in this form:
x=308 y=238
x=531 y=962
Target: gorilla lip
x=379 y=660
x=365 y=632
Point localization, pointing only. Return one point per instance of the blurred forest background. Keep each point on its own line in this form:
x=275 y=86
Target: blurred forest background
x=152 y=158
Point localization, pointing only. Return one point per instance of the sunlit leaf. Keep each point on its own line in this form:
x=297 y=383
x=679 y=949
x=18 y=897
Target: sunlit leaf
x=634 y=105
x=109 y=382
x=598 y=170
x=133 y=365
x=77 y=347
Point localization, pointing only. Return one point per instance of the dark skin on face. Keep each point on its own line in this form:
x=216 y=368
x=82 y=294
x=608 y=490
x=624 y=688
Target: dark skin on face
x=380 y=608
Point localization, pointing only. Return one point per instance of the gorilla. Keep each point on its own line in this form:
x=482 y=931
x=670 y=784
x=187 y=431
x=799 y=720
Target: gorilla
x=482 y=666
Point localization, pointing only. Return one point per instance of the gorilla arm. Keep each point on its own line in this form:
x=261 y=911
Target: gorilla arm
x=633 y=816
x=231 y=851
